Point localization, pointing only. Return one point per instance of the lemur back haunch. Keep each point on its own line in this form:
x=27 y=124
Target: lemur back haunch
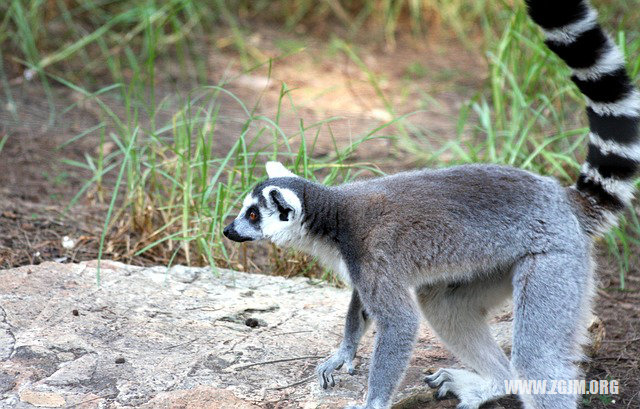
x=450 y=244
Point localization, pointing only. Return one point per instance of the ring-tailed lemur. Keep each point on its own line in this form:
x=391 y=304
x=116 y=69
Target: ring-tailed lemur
x=452 y=243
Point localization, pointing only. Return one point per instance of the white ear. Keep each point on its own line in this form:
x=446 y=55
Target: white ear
x=277 y=170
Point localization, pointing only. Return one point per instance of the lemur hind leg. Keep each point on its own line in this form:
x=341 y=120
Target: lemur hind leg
x=356 y=325
x=552 y=300
x=394 y=310
x=457 y=313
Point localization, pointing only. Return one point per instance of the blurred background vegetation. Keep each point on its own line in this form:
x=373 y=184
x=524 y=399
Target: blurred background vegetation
x=178 y=103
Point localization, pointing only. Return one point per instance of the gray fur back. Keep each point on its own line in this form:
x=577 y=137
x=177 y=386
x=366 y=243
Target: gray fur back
x=457 y=220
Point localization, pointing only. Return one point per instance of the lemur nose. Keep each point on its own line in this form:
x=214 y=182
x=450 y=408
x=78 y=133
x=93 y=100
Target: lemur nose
x=227 y=230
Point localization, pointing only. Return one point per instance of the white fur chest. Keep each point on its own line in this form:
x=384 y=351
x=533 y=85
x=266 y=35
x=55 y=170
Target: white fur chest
x=327 y=254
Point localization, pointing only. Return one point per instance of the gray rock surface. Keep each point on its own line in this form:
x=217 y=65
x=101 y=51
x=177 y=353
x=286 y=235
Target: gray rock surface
x=182 y=338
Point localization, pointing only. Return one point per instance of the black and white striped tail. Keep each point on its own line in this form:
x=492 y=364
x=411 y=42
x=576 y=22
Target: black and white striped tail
x=613 y=103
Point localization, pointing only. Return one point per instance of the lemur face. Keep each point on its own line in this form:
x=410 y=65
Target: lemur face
x=271 y=211
x=246 y=226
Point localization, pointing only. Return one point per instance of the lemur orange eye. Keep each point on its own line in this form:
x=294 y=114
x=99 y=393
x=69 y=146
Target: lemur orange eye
x=253 y=216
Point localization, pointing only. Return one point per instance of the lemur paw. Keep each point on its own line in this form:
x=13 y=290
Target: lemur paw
x=333 y=363
x=470 y=388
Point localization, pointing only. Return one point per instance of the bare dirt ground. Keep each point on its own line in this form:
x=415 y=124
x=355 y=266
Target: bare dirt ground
x=35 y=185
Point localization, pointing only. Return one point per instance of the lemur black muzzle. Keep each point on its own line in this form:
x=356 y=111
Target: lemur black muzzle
x=231 y=233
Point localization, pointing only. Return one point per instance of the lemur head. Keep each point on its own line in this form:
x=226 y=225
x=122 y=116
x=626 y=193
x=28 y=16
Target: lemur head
x=272 y=210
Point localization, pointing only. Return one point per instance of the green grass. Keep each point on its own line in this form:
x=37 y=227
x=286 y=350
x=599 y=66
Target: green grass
x=526 y=117
x=167 y=185
x=172 y=195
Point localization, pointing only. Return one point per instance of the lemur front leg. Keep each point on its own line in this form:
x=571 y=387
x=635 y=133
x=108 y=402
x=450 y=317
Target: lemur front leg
x=397 y=322
x=356 y=324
